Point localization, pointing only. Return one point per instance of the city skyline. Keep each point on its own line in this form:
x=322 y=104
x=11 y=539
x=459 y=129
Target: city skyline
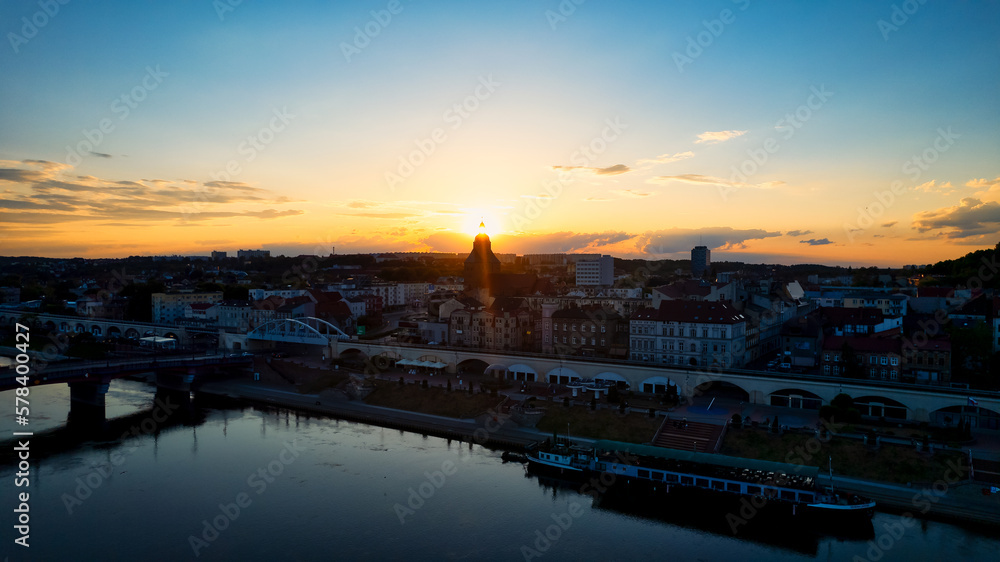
x=845 y=135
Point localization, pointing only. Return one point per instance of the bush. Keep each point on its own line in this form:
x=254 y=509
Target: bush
x=828 y=412
x=736 y=420
x=401 y=381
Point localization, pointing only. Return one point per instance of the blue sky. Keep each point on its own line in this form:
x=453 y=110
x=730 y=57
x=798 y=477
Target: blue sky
x=342 y=169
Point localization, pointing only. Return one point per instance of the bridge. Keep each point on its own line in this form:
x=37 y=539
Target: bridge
x=898 y=401
x=89 y=381
x=104 y=327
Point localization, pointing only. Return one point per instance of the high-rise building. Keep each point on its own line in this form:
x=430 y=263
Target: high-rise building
x=218 y=255
x=249 y=254
x=701 y=259
x=600 y=271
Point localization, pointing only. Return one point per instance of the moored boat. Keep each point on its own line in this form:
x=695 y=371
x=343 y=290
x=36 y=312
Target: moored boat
x=657 y=470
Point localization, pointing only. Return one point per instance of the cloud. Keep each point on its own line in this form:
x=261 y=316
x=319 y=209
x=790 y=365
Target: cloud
x=699 y=179
x=889 y=224
x=362 y=204
x=972 y=217
x=712 y=137
x=666 y=158
x=632 y=193
x=798 y=232
x=597 y=199
x=681 y=240
x=380 y=215
x=934 y=186
x=609 y=171
x=816 y=242
x=46 y=193
x=983 y=183
x=100 y=154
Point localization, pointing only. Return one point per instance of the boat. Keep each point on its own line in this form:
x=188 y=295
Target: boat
x=651 y=471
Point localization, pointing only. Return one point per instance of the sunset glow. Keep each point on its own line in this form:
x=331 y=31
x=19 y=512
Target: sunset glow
x=627 y=129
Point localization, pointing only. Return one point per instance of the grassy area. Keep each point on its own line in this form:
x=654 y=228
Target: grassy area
x=891 y=463
x=601 y=424
x=320 y=383
x=434 y=400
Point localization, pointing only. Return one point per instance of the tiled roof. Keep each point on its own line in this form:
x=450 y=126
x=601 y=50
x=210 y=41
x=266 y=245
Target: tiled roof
x=691 y=312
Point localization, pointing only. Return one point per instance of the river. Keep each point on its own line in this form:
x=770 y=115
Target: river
x=231 y=482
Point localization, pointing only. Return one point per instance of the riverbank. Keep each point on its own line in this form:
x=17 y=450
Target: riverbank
x=947 y=499
x=487 y=430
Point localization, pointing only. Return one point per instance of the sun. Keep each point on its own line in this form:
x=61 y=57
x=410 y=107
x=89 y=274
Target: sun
x=474 y=218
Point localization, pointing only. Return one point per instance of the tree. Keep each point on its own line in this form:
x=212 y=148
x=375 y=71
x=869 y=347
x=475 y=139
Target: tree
x=449 y=385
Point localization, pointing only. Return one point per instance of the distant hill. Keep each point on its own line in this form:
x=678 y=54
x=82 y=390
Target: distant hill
x=981 y=264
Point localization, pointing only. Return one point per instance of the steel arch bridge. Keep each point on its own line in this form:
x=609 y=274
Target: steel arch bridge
x=298 y=330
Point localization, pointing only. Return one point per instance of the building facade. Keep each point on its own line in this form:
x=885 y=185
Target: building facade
x=688 y=333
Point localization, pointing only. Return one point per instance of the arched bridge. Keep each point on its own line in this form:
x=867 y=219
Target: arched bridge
x=877 y=399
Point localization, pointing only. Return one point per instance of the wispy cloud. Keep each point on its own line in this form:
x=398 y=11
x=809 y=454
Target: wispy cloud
x=666 y=158
x=46 y=193
x=609 y=171
x=799 y=232
x=699 y=179
x=712 y=137
x=633 y=193
x=816 y=242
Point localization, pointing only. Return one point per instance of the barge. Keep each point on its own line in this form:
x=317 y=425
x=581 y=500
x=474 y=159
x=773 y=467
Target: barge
x=653 y=471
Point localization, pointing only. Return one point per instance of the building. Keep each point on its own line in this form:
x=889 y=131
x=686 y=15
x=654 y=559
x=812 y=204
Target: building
x=481 y=263
x=701 y=259
x=584 y=331
x=218 y=256
x=169 y=307
x=10 y=295
x=506 y=325
x=927 y=361
x=873 y=358
x=235 y=315
x=890 y=305
x=596 y=272
x=250 y=254
x=688 y=333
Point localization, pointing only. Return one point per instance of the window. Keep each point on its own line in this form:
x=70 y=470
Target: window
x=591 y=341
x=885 y=360
x=895 y=360
x=826 y=369
x=893 y=375
x=826 y=357
x=602 y=328
x=883 y=374
x=602 y=342
x=592 y=328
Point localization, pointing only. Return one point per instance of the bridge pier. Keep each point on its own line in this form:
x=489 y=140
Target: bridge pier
x=87 y=401
x=177 y=380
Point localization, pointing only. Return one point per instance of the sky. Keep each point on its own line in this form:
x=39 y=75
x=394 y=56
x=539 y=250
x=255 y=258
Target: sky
x=847 y=133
